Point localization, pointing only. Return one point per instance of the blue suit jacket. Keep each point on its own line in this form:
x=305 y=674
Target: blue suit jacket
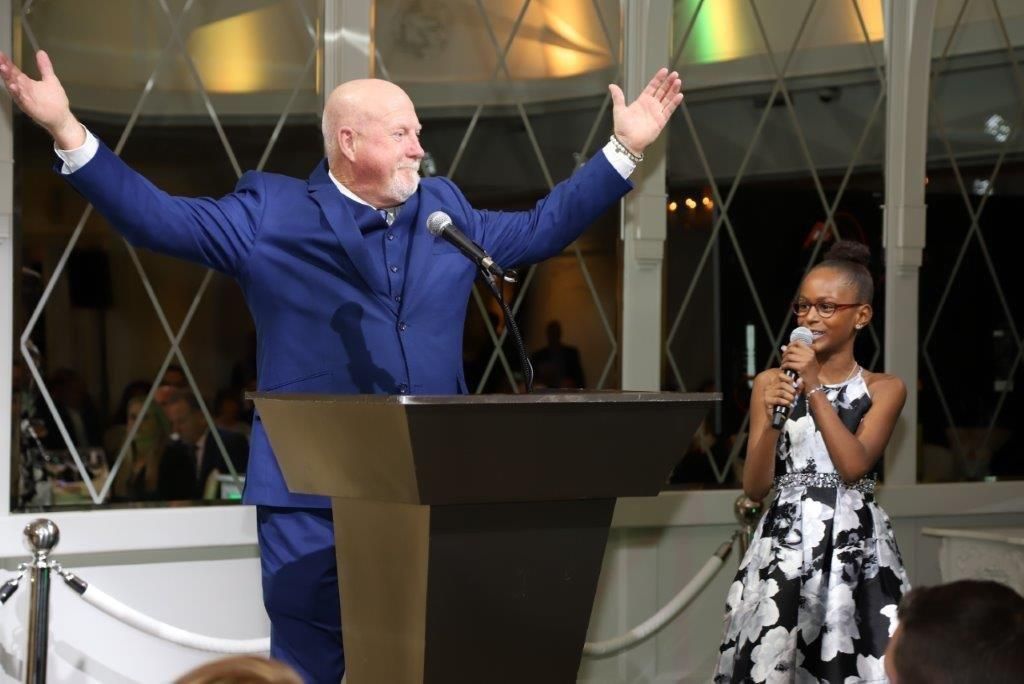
x=324 y=320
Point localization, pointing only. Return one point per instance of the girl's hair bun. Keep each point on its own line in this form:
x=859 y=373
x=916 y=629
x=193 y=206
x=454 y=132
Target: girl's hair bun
x=849 y=250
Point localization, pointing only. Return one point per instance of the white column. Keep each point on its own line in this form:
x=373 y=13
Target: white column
x=348 y=41
x=648 y=25
x=908 y=38
x=7 y=275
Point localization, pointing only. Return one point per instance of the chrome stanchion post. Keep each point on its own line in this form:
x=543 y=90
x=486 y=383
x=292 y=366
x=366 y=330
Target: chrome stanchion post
x=748 y=512
x=40 y=537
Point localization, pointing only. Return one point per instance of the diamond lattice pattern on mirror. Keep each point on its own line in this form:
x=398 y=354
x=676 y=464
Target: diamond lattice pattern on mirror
x=209 y=59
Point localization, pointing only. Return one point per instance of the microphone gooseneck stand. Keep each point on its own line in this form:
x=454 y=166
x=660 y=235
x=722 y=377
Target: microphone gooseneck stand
x=524 y=359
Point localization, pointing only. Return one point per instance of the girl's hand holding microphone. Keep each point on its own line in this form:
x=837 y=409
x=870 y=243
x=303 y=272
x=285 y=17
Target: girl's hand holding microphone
x=799 y=370
x=781 y=390
x=800 y=358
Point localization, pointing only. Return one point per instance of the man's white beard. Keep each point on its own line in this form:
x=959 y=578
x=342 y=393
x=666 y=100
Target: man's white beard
x=402 y=189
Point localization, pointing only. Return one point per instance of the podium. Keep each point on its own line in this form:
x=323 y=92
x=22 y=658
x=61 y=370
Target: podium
x=470 y=530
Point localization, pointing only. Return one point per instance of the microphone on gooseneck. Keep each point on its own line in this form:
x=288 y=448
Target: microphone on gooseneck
x=781 y=413
x=439 y=224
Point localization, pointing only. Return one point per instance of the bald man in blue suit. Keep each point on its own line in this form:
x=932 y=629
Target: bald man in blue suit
x=349 y=292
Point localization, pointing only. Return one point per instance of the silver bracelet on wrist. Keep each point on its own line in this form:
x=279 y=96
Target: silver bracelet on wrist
x=621 y=148
x=819 y=388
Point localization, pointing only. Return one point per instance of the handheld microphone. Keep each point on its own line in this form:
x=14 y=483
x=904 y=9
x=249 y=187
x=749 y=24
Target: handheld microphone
x=439 y=224
x=781 y=413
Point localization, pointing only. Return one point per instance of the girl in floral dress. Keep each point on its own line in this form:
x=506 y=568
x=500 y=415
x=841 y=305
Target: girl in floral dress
x=815 y=596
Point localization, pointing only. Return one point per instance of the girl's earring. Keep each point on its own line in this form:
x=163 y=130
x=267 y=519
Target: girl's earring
x=858 y=326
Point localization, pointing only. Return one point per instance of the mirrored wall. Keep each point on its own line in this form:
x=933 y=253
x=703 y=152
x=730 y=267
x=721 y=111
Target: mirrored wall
x=130 y=368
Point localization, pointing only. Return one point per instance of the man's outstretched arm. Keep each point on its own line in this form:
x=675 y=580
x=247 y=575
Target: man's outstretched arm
x=518 y=238
x=44 y=101
x=216 y=233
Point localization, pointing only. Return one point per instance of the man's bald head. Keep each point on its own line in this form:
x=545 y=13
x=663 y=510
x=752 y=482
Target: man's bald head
x=355 y=104
x=371 y=139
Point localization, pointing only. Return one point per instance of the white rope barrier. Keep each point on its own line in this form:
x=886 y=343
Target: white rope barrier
x=111 y=606
x=599 y=649
x=654 y=624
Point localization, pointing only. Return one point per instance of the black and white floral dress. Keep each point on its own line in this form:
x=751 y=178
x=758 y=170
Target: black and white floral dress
x=815 y=596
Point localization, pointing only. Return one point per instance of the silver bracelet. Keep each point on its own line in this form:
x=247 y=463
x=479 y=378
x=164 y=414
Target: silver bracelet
x=819 y=388
x=621 y=148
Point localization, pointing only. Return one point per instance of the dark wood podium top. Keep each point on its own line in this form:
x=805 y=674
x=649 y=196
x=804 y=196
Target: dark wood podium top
x=460 y=449
x=545 y=396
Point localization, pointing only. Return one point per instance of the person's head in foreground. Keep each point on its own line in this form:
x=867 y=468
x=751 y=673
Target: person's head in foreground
x=958 y=633
x=245 y=669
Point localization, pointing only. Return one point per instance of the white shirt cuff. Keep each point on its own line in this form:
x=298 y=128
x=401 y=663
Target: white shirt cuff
x=623 y=164
x=80 y=156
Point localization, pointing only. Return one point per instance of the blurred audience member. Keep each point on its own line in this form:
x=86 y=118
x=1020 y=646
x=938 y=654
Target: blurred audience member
x=705 y=447
x=175 y=377
x=76 y=409
x=190 y=427
x=113 y=437
x=695 y=467
x=227 y=412
x=245 y=669
x=155 y=467
x=558 y=365
x=958 y=633
x=172 y=380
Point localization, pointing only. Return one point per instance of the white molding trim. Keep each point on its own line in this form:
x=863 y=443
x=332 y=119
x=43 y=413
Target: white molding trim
x=135 y=529
x=715 y=507
x=161 y=529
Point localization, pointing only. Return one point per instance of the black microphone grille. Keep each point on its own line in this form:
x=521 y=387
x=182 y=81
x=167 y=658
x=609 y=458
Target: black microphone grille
x=437 y=222
x=801 y=334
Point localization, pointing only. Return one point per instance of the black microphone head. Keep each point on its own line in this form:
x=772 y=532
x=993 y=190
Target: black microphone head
x=437 y=222
x=802 y=334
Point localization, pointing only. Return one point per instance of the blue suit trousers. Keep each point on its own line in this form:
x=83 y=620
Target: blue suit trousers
x=300 y=590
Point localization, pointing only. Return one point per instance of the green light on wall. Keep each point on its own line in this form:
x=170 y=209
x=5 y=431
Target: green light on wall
x=721 y=31
x=727 y=30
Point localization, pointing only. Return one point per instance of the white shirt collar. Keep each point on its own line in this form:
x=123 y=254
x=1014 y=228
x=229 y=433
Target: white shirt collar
x=346 y=192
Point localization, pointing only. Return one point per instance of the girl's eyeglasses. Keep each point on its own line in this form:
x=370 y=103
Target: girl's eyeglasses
x=824 y=309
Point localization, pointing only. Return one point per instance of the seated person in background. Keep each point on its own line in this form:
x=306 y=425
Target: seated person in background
x=559 y=363
x=155 y=467
x=77 y=412
x=958 y=633
x=172 y=380
x=191 y=428
x=695 y=466
x=113 y=436
x=227 y=412
x=706 y=447
x=175 y=377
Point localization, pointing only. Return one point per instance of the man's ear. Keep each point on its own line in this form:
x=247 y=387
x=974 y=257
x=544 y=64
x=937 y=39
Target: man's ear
x=346 y=138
